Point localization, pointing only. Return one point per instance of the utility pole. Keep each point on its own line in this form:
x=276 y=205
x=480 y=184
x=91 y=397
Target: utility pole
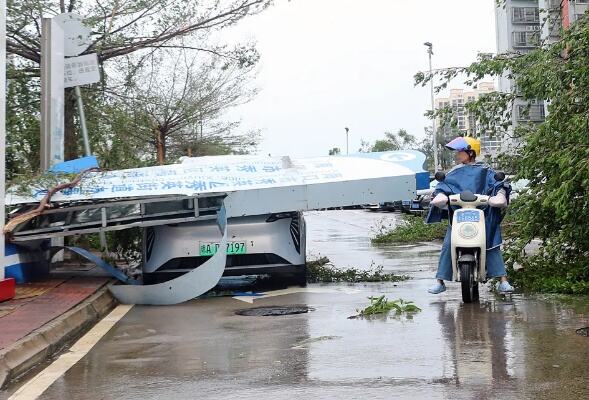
x=430 y=52
x=347 y=140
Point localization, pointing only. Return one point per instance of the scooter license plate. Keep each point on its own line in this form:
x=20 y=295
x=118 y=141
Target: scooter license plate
x=468 y=216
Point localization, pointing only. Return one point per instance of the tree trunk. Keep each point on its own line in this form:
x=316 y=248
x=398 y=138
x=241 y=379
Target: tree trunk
x=70 y=137
x=160 y=146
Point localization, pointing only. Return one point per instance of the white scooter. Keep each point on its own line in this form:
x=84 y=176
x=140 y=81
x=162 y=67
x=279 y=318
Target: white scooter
x=469 y=239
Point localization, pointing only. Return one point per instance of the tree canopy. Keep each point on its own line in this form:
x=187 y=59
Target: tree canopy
x=167 y=80
x=124 y=27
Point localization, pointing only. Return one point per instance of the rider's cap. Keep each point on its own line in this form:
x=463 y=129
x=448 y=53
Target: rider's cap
x=464 y=144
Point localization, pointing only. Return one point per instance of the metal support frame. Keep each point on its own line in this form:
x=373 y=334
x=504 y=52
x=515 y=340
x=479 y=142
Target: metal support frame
x=83 y=121
x=84 y=218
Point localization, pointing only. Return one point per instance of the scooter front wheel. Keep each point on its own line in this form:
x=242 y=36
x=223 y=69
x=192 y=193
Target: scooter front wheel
x=470 y=287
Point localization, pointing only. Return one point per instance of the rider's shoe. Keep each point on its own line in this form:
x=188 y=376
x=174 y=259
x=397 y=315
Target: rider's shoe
x=505 y=287
x=437 y=288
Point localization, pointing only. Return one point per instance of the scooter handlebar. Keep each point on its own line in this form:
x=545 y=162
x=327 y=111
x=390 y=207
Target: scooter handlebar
x=461 y=201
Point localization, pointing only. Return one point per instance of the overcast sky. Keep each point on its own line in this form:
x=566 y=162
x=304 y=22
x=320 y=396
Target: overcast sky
x=328 y=64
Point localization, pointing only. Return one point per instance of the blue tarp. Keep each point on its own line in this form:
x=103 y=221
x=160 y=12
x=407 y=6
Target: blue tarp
x=75 y=166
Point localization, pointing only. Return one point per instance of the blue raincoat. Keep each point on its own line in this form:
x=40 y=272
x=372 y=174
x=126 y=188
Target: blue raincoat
x=477 y=178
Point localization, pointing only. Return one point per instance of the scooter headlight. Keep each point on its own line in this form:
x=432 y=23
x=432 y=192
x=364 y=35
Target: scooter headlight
x=468 y=231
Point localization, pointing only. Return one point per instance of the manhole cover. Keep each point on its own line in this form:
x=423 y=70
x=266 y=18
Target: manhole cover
x=273 y=311
x=583 y=331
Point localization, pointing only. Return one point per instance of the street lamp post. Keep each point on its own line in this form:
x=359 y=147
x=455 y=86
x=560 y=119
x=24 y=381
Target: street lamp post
x=430 y=52
x=347 y=140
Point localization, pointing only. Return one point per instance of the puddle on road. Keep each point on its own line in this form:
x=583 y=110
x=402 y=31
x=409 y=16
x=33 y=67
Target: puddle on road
x=344 y=237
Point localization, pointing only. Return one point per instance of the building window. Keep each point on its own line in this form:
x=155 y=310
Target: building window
x=526 y=39
x=521 y=15
x=534 y=113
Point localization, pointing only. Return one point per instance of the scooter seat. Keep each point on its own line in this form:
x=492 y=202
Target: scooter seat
x=468 y=196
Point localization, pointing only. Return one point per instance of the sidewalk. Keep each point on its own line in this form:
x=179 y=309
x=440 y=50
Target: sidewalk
x=45 y=316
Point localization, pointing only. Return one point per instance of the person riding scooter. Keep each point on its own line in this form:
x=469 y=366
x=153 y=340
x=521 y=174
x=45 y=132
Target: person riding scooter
x=476 y=177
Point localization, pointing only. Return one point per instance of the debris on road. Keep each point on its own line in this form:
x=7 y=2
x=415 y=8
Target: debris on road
x=414 y=229
x=322 y=271
x=583 y=331
x=381 y=305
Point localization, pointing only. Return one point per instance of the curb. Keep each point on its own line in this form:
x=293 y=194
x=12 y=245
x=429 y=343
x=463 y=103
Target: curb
x=49 y=339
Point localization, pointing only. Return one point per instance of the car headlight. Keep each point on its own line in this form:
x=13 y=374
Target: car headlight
x=468 y=231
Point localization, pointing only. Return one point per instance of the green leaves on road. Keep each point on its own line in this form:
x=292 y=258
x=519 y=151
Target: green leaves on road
x=381 y=305
x=413 y=229
x=322 y=270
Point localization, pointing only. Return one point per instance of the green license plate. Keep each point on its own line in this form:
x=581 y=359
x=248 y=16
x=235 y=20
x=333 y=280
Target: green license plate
x=209 y=249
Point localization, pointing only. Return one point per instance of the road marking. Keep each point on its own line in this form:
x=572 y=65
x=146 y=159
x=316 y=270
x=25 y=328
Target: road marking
x=41 y=382
x=284 y=292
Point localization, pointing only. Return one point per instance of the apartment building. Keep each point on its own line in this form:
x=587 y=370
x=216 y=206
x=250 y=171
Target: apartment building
x=559 y=14
x=466 y=123
x=519 y=30
x=521 y=25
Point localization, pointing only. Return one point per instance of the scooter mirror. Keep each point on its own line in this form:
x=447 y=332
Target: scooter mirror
x=440 y=176
x=499 y=176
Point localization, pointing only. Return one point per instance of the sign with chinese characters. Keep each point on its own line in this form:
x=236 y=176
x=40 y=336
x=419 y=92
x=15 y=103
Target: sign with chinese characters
x=225 y=174
x=81 y=70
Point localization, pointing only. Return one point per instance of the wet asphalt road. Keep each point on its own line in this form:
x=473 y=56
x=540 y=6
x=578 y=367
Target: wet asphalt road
x=503 y=348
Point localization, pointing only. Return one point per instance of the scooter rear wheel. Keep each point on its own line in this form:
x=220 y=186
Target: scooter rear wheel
x=470 y=287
